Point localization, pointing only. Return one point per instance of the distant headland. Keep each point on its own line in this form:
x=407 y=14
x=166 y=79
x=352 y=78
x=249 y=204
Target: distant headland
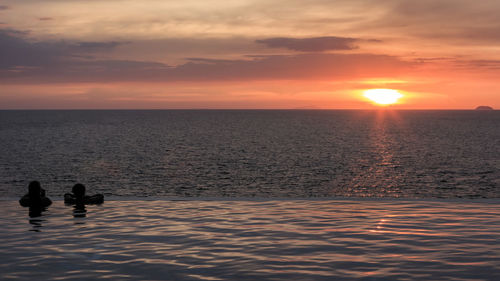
x=484 y=107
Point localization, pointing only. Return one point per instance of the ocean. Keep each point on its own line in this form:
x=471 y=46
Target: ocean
x=253 y=153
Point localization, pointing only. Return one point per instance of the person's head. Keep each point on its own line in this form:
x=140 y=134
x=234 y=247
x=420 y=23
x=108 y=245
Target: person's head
x=34 y=189
x=78 y=190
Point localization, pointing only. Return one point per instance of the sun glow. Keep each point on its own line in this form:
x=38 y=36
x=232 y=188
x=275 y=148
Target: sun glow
x=383 y=96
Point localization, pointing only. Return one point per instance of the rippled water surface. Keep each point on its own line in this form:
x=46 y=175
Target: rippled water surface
x=413 y=154
x=254 y=240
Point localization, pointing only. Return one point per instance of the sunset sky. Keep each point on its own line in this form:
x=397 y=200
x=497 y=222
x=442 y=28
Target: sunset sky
x=290 y=54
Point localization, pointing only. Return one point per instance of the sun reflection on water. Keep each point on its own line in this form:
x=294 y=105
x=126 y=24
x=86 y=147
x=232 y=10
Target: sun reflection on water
x=381 y=175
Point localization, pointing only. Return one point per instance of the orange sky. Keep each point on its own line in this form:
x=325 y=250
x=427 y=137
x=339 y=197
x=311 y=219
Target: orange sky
x=440 y=54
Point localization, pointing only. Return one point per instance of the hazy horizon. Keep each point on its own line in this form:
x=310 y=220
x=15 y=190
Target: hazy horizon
x=305 y=109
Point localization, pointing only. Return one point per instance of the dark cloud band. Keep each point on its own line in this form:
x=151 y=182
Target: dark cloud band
x=46 y=62
x=315 y=44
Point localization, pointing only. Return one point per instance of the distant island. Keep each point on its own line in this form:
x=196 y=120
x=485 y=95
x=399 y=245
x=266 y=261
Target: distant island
x=484 y=107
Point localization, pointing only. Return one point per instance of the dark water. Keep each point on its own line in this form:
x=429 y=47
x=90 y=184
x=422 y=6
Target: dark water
x=412 y=154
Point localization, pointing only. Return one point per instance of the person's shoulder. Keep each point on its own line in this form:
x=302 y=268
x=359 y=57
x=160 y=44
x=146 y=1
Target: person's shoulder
x=69 y=198
x=46 y=201
x=95 y=199
x=25 y=201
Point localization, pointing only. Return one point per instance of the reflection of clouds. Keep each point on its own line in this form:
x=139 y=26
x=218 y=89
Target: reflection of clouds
x=253 y=240
x=404 y=225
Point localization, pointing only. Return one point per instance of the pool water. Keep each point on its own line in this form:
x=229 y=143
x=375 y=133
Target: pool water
x=253 y=240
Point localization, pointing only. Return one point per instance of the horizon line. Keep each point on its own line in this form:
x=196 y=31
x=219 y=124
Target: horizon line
x=242 y=109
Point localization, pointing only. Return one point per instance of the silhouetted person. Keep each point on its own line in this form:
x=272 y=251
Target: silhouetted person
x=35 y=196
x=78 y=196
x=35 y=199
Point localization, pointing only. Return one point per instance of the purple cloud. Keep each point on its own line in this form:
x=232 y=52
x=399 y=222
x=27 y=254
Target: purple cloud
x=280 y=67
x=23 y=61
x=96 y=46
x=16 y=51
x=314 y=44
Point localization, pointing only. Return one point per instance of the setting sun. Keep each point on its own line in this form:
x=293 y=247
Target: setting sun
x=383 y=96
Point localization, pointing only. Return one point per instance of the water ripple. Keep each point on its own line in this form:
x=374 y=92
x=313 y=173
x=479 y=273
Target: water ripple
x=255 y=240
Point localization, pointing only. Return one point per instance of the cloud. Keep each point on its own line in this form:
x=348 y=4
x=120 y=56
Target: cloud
x=16 y=51
x=332 y=67
x=4 y=7
x=97 y=46
x=45 y=18
x=314 y=44
x=313 y=66
x=447 y=21
x=24 y=61
x=478 y=64
x=459 y=63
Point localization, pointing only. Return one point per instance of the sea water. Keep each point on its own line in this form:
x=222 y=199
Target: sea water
x=253 y=153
